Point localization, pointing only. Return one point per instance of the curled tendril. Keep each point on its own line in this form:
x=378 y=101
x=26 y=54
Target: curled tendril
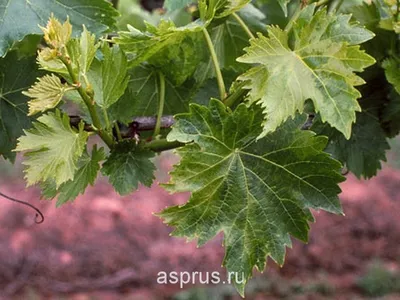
x=38 y=212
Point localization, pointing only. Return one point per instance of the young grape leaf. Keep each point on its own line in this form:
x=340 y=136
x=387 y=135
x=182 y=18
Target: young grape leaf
x=127 y=166
x=46 y=94
x=109 y=77
x=98 y=16
x=88 y=168
x=236 y=184
x=80 y=51
x=87 y=50
x=141 y=98
x=57 y=34
x=316 y=60
x=363 y=152
x=53 y=149
x=392 y=72
x=16 y=75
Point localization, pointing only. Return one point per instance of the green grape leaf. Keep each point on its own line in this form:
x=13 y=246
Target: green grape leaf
x=141 y=98
x=367 y=14
x=53 y=149
x=98 y=16
x=127 y=166
x=363 y=152
x=46 y=94
x=316 y=60
x=210 y=9
x=109 y=77
x=87 y=50
x=176 y=4
x=236 y=184
x=144 y=45
x=88 y=168
x=180 y=61
x=392 y=72
x=16 y=75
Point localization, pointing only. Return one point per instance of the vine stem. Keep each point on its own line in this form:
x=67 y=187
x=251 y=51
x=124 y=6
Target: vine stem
x=161 y=78
x=233 y=99
x=106 y=137
x=220 y=79
x=243 y=25
x=118 y=131
x=162 y=145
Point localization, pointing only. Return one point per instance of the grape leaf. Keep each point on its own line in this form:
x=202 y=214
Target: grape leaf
x=127 y=166
x=88 y=168
x=142 y=96
x=367 y=14
x=274 y=4
x=87 y=50
x=392 y=72
x=179 y=61
x=143 y=45
x=80 y=51
x=210 y=9
x=53 y=149
x=16 y=75
x=98 y=16
x=316 y=61
x=236 y=184
x=176 y=4
x=46 y=94
x=109 y=76
x=362 y=153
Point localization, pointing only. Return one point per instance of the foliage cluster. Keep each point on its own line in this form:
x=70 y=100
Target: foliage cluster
x=271 y=100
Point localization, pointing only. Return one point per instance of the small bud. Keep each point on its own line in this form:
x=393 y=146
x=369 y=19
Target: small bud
x=90 y=91
x=56 y=34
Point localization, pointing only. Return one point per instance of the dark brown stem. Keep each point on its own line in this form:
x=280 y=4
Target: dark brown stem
x=141 y=123
x=38 y=212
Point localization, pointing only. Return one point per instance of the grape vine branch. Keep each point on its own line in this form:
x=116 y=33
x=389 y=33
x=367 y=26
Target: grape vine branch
x=265 y=102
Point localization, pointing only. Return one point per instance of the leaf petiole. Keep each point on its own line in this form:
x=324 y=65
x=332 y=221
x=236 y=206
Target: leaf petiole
x=161 y=78
x=220 y=79
x=243 y=25
x=106 y=137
